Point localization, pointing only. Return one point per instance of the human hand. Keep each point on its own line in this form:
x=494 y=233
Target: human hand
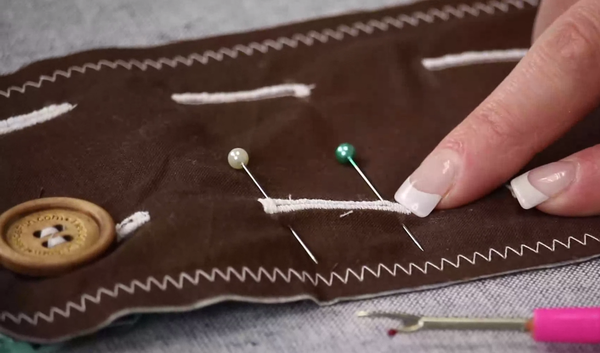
x=553 y=87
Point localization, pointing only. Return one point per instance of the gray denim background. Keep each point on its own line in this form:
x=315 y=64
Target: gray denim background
x=31 y=30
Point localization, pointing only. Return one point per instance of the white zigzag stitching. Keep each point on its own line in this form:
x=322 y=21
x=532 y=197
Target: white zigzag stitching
x=308 y=39
x=276 y=274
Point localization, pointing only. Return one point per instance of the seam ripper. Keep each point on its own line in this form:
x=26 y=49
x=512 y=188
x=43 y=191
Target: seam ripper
x=567 y=325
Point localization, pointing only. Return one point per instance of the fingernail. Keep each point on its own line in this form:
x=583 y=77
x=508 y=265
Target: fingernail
x=540 y=184
x=424 y=189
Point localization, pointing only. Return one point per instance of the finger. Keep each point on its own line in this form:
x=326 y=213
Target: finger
x=554 y=86
x=548 y=12
x=568 y=187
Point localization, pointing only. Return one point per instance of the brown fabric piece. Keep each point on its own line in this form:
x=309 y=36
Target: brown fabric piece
x=128 y=147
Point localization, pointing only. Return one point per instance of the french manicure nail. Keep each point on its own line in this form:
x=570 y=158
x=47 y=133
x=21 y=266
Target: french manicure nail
x=540 y=184
x=424 y=189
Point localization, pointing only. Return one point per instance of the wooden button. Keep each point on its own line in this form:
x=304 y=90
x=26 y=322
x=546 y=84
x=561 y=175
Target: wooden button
x=49 y=236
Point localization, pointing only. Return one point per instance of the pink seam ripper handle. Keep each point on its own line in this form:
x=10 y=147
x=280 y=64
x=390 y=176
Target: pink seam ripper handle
x=573 y=325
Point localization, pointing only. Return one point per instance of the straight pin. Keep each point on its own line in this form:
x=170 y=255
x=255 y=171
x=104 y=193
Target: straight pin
x=238 y=159
x=254 y=180
x=302 y=244
x=351 y=160
x=412 y=236
x=345 y=154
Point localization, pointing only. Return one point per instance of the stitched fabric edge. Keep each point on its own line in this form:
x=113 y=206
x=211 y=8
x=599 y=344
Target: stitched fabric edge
x=308 y=39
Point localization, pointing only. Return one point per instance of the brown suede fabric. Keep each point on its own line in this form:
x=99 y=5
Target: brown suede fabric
x=128 y=147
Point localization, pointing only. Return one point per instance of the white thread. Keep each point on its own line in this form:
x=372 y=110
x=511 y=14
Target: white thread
x=52 y=242
x=346 y=214
x=131 y=224
x=48 y=231
x=285 y=90
x=308 y=39
x=276 y=274
x=272 y=206
x=472 y=58
x=39 y=116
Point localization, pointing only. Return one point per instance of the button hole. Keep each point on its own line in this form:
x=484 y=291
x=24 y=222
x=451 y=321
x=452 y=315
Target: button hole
x=57 y=241
x=48 y=231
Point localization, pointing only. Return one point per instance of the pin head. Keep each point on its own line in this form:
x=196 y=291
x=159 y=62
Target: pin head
x=344 y=152
x=237 y=157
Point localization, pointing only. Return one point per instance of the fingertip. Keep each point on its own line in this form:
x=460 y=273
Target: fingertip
x=525 y=193
x=539 y=185
x=419 y=203
x=426 y=186
x=565 y=188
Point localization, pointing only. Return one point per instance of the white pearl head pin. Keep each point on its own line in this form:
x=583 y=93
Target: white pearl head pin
x=238 y=157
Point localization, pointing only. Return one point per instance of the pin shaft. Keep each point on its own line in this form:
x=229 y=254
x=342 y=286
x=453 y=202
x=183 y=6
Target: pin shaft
x=291 y=229
x=303 y=245
x=351 y=160
x=412 y=237
x=254 y=180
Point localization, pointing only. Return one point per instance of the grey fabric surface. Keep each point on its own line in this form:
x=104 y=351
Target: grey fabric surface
x=31 y=30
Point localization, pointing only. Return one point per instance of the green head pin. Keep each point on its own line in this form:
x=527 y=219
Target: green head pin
x=345 y=153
